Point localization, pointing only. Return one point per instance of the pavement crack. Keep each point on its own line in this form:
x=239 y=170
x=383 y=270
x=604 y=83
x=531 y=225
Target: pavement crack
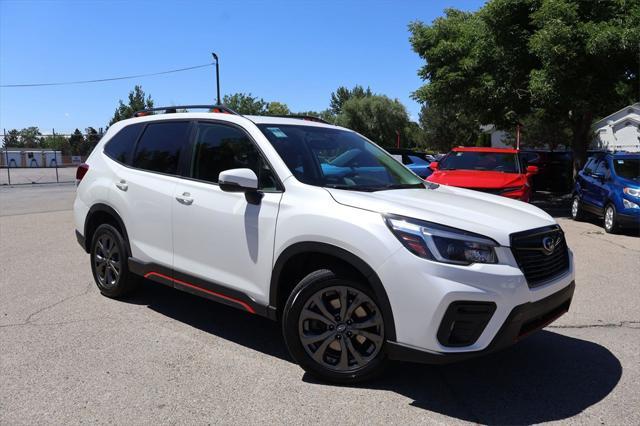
x=29 y=320
x=590 y=234
x=621 y=324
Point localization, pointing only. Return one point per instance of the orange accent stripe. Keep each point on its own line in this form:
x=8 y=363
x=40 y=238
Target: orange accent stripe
x=213 y=293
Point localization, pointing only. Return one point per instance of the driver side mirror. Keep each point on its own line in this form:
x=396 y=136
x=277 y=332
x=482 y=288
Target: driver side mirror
x=434 y=165
x=599 y=176
x=532 y=170
x=241 y=180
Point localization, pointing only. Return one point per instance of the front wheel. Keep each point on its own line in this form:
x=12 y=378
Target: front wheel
x=576 y=209
x=334 y=328
x=610 y=219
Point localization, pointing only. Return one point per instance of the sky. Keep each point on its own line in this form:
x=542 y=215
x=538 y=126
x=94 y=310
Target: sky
x=296 y=52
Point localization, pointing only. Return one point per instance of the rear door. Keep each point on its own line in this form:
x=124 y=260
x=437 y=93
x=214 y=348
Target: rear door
x=143 y=190
x=222 y=242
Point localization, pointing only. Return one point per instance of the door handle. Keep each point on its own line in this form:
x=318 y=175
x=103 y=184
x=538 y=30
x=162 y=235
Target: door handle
x=185 y=199
x=122 y=185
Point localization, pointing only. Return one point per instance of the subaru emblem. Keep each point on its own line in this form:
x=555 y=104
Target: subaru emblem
x=549 y=244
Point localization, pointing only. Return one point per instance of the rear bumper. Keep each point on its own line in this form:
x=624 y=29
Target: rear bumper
x=523 y=320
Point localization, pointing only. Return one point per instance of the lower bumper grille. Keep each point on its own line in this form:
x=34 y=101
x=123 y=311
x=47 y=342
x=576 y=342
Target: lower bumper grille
x=464 y=322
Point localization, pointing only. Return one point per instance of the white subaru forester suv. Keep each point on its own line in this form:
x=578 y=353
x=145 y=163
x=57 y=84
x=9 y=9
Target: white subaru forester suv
x=315 y=226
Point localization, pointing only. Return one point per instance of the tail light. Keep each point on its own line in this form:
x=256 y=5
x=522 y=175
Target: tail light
x=81 y=171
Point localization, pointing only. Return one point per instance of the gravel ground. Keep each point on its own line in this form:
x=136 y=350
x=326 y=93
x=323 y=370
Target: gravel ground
x=69 y=355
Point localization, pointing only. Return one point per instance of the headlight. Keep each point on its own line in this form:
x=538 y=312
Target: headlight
x=629 y=204
x=441 y=243
x=512 y=189
x=632 y=191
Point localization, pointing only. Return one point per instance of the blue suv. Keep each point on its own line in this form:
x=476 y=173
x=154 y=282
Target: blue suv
x=609 y=186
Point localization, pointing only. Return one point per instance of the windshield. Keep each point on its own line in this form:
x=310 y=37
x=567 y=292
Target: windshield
x=486 y=161
x=337 y=158
x=627 y=168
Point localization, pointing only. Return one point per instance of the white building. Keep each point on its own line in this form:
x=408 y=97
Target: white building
x=619 y=131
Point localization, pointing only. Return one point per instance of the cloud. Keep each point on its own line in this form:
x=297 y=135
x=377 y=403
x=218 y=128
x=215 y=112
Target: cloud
x=66 y=114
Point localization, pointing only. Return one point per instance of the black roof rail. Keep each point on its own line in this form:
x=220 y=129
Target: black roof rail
x=171 y=109
x=299 y=117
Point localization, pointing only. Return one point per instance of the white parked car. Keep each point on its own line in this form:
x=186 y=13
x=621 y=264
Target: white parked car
x=317 y=227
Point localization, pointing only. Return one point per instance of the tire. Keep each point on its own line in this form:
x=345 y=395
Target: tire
x=577 y=213
x=313 y=310
x=111 y=274
x=610 y=219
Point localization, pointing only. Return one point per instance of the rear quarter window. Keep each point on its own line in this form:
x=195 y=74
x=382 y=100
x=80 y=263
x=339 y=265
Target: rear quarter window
x=120 y=146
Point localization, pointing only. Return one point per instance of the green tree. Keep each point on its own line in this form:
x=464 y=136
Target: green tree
x=342 y=95
x=377 y=117
x=30 y=137
x=91 y=140
x=77 y=142
x=12 y=139
x=138 y=100
x=568 y=60
x=277 y=108
x=56 y=143
x=445 y=127
x=245 y=103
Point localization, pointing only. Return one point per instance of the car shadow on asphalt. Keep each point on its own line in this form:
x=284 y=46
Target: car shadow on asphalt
x=546 y=377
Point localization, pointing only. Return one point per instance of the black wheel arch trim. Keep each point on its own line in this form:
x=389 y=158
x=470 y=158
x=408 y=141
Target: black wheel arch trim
x=104 y=208
x=360 y=265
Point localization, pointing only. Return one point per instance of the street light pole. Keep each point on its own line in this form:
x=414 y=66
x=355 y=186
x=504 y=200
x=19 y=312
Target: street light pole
x=217 y=77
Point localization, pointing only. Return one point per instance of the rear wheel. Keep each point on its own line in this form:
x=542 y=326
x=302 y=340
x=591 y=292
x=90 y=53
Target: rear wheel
x=334 y=328
x=109 y=262
x=576 y=209
x=610 y=219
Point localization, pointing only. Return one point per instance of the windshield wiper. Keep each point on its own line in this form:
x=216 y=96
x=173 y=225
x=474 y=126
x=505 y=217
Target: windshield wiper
x=353 y=187
x=404 y=186
x=364 y=188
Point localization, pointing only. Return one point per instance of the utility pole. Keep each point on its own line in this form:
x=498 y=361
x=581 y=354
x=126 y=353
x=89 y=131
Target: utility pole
x=55 y=154
x=217 y=78
x=6 y=154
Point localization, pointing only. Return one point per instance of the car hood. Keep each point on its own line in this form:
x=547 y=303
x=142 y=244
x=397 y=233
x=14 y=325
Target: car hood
x=490 y=215
x=477 y=179
x=634 y=183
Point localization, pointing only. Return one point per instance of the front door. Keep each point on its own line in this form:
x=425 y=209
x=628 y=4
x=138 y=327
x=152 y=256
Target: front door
x=220 y=240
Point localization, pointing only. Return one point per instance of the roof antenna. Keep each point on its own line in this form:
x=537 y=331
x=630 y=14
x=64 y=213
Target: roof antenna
x=217 y=77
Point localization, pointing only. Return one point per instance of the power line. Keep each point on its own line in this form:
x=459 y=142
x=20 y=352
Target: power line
x=101 y=80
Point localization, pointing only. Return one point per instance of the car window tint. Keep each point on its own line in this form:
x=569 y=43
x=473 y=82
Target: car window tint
x=417 y=160
x=588 y=168
x=219 y=147
x=601 y=167
x=159 y=147
x=120 y=146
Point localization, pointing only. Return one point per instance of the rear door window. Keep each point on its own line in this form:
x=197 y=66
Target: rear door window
x=160 y=145
x=120 y=147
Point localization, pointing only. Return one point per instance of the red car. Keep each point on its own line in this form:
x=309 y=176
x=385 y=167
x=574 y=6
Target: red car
x=498 y=171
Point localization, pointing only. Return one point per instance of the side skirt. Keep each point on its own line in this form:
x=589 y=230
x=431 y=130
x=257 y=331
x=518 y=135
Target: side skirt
x=199 y=287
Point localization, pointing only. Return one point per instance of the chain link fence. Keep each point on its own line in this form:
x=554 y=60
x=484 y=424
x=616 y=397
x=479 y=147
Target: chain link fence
x=40 y=164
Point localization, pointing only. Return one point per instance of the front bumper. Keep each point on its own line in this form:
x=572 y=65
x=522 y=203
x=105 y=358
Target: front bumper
x=523 y=320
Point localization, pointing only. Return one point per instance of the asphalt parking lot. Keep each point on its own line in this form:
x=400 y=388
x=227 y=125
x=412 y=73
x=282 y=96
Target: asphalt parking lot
x=69 y=355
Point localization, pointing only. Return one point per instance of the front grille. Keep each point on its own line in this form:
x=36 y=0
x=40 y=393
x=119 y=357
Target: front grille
x=537 y=264
x=489 y=190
